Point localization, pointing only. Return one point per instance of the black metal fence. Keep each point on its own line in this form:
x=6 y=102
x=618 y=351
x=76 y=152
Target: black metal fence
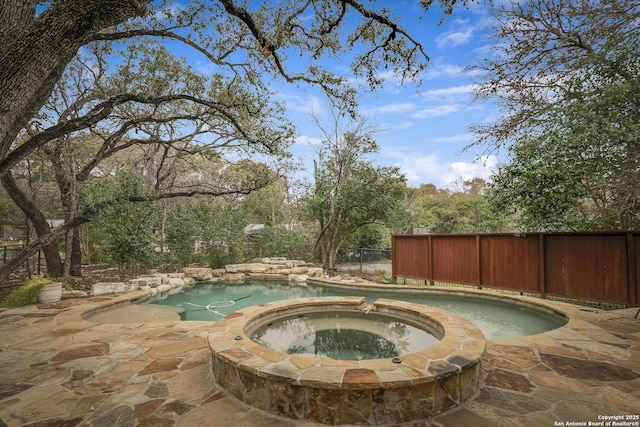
x=362 y=255
x=34 y=265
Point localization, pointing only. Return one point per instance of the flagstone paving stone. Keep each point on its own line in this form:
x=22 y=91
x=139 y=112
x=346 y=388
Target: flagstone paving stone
x=57 y=369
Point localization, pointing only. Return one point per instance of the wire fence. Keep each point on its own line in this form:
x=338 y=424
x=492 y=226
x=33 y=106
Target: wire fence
x=363 y=260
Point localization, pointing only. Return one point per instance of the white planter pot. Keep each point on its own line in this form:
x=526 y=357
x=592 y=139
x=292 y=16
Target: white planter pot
x=50 y=293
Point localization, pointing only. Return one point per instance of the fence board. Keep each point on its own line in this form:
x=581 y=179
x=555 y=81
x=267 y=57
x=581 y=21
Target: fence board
x=587 y=267
x=412 y=258
x=510 y=263
x=454 y=259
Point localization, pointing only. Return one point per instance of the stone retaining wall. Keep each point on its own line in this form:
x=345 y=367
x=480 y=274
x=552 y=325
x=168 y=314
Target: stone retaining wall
x=294 y=270
x=266 y=268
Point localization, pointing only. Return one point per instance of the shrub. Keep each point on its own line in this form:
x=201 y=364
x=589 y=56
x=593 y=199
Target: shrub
x=27 y=293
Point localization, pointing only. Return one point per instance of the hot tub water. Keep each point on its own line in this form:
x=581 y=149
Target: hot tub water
x=344 y=335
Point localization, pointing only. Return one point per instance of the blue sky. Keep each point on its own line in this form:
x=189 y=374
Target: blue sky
x=426 y=128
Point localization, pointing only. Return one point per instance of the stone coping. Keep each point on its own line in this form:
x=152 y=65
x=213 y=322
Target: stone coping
x=107 y=302
x=321 y=389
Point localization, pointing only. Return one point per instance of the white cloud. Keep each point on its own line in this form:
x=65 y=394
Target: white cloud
x=431 y=169
x=449 y=91
x=464 y=137
x=206 y=68
x=454 y=38
x=389 y=77
x=403 y=125
x=308 y=141
x=308 y=105
x=443 y=70
x=392 y=108
x=437 y=111
x=302 y=102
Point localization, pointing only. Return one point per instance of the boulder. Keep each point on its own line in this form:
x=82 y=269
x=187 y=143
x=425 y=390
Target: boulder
x=297 y=263
x=163 y=288
x=151 y=280
x=281 y=262
x=175 y=290
x=199 y=273
x=74 y=293
x=175 y=281
x=274 y=260
x=138 y=283
x=315 y=272
x=234 y=276
x=101 y=288
x=298 y=278
x=162 y=277
x=246 y=268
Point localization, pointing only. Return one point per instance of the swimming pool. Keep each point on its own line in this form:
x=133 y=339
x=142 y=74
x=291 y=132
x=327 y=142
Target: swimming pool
x=496 y=317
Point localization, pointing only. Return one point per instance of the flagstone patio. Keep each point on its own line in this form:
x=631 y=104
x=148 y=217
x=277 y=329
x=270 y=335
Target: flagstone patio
x=58 y=369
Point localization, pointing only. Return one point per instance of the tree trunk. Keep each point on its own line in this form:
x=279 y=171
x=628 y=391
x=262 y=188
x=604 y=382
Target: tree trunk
x=68 y=198
x=331 y=260
x=76 y=254
x=39 y=222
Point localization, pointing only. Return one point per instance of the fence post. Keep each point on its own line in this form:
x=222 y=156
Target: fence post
x=632 y=280
x=478 y=263
x=430 y=274
x=541 y=266
x=361 y=258
x=393 y=258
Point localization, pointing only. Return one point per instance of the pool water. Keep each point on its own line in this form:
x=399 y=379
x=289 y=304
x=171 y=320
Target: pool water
x=343 y=336
x=496 y=317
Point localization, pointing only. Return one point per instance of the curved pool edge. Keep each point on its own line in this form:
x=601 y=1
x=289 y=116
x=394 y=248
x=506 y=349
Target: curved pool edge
x=118 y=309
x=558 y=308
x=561 y=309
x=373 y=392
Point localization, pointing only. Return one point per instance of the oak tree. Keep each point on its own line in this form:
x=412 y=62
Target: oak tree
x=249 y=45
x=565 y=76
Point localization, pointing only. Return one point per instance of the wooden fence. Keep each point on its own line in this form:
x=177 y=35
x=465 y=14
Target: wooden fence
x=588 y=266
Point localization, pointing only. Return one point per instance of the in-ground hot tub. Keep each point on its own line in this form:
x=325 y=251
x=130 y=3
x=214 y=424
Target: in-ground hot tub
x=406 y=387
x=343 y=335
